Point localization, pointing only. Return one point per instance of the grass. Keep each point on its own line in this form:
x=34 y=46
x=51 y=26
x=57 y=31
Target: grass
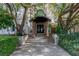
x=7 y=44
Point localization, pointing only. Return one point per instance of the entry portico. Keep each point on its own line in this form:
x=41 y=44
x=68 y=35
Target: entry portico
x=40 y=26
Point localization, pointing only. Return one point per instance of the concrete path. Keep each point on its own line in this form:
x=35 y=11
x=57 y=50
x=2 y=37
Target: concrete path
x=39 y=47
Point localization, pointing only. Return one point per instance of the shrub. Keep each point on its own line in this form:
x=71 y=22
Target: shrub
x=8 y=44
x=70 y=42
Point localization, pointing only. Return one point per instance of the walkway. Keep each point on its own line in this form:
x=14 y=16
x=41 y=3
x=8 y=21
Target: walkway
x=39 y=47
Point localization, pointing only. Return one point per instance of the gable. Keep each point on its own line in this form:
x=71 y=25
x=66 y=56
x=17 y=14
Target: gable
x=40 y=13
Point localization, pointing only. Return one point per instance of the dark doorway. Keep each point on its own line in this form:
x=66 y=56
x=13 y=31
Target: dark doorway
x=40 y=28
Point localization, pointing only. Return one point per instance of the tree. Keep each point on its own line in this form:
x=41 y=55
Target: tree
x=5 y=19
x=68 y=16
x=13 y=8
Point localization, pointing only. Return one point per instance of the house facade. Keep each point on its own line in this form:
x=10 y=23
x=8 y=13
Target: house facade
x=40 y=24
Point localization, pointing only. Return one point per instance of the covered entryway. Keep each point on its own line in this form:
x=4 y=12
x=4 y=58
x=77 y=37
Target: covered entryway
x=40 y=23
x=40 y=26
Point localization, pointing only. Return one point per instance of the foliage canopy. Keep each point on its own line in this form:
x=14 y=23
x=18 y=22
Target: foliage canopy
x=5 y=19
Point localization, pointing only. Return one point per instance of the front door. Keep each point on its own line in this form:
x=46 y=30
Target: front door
x=40 y=28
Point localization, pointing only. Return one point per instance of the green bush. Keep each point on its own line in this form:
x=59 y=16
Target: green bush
x=8 y=44
x=70 y=42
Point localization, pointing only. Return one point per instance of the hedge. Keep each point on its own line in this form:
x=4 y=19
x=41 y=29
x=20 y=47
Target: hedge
x=70 y=43
x=7 y=44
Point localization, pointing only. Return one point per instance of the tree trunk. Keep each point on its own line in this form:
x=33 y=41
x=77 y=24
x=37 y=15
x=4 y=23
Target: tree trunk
x=23 y=22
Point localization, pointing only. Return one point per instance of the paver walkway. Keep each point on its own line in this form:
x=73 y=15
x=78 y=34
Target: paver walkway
x=39 y=47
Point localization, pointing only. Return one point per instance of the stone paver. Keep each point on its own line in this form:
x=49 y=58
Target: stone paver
x=41 y=48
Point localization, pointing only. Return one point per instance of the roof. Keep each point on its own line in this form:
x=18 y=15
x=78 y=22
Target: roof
x=40 y=19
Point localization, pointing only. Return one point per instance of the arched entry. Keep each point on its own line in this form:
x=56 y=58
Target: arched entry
x=40 y=25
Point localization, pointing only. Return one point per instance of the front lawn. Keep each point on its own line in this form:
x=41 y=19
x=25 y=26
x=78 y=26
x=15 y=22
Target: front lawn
x=7 y=44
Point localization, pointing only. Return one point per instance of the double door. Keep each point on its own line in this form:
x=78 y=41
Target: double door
x=40 y=28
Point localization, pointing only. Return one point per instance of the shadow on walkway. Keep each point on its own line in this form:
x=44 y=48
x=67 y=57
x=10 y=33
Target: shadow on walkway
x=39 y=47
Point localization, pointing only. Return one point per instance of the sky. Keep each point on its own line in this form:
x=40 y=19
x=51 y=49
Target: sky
x=39 y=1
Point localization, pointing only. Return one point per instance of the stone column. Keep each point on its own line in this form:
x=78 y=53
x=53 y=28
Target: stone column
x=33 y=29
x=45 y=28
